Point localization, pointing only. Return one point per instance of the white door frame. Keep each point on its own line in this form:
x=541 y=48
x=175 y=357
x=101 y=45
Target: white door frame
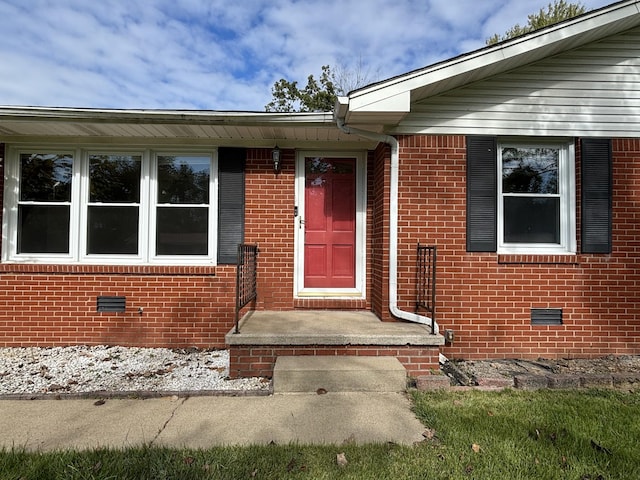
x=359 y=290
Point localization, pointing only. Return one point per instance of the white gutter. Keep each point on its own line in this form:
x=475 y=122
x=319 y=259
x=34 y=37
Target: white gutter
x=198 y=117
x=393 y=225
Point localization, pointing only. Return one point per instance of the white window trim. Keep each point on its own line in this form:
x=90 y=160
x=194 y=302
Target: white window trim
x=11 y=200
x=566 y=184
x=212 y=206
x=79 y=200
x=80 y=234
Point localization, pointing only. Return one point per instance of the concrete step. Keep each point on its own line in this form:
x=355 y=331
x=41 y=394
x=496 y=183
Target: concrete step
x=338 y=374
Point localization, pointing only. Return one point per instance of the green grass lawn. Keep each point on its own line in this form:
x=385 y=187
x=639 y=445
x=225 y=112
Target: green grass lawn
x=583 y=435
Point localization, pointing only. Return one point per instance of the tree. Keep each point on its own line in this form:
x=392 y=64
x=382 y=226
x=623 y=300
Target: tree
x=556 y=12
x=316 y=96
x=348 y=78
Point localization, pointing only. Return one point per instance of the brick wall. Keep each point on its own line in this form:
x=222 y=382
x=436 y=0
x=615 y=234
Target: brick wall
x=43 y=305
x=486 y=298
x=270 y=202
x=380 y=233
x=181 y=306
x=269 y=223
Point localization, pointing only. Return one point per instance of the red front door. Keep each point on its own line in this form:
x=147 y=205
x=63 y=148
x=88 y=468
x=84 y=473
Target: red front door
x=330 y=225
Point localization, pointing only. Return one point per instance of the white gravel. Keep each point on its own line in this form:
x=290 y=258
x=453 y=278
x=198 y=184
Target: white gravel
x=34 y=370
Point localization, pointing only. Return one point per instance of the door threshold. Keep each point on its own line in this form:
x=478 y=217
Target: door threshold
x=329 y=294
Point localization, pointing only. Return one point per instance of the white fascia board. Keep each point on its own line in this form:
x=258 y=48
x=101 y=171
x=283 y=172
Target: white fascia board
x=164 y=116
x=386 y=101
x=394 y=94
x=341 y=107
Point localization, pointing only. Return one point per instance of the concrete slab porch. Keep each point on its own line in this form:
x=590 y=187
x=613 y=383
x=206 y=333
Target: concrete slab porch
x=328 y=327
x=266 y=335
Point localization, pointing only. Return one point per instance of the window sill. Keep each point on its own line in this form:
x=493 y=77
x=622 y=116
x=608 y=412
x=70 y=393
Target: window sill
x=86 y=269
x=524 y=259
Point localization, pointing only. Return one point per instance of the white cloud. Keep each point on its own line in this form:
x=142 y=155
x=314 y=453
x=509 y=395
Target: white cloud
x=224 y=55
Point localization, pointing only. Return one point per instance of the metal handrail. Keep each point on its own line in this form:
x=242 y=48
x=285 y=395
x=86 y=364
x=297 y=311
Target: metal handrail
x=246 y=278
x=426 y=281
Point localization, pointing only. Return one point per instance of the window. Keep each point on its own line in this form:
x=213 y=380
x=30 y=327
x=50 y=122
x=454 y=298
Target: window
x=113 y=209
x=182 y=211
x=44 y=203
x=520 y=196
x=110 y=207
x=535 y=198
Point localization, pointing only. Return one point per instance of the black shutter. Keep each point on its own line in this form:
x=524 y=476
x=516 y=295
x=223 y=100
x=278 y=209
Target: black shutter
x=596 y=195
x=231 y=163
x=482 y=194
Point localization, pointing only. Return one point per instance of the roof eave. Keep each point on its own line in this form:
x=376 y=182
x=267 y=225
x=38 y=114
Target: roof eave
x=203 y=117
x=393 y=97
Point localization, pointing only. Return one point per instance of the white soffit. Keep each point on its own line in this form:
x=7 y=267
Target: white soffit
x=259 y=129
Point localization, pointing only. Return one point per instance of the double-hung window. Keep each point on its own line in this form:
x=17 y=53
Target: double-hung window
x=521 y=196
x=120 y=207
x=182 y=208
x=113 y=204
x=43 y=203
x=536 y=206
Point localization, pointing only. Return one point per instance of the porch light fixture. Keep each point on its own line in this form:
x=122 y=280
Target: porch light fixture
x=275 y=156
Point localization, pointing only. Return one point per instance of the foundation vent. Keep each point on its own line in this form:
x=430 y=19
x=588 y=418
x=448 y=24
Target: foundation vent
x=111 y=304
x=546 y=316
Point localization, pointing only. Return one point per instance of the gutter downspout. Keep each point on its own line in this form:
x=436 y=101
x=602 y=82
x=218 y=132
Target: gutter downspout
x=393 y=225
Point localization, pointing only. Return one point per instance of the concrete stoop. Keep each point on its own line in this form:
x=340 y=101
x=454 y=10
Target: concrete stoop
x=338 y=374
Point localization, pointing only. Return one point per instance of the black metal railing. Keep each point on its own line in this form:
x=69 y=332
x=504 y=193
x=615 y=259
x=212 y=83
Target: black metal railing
x=426 y=281
x=246 y=278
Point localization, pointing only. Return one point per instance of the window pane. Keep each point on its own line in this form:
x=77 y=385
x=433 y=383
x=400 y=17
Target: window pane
x=531 y=220
x=183 y=179
x=114 y=178
x=326 y=165
x=43 y=229
x=530 y=170
x=182 y=231
x=45 y=177
x=112 y=230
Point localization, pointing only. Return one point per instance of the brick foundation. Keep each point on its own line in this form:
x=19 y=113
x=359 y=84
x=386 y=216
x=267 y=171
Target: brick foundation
x=55 y=305
x=259 y=361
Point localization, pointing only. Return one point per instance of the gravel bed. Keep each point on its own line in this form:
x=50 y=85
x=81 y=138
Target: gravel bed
x=79 y=369
x=474 y=369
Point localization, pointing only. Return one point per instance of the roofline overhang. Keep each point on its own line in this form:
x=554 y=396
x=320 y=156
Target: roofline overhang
x=388 y=101
x=139 y=116
x=311 y=130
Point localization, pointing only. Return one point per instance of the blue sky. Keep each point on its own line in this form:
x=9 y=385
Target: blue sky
x=226 y=54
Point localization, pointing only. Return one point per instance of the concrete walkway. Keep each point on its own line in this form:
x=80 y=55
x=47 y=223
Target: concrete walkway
x=202 y=422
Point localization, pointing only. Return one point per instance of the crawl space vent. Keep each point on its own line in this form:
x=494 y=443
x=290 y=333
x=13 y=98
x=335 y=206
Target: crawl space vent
x=546 y=316
x=111 y=304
